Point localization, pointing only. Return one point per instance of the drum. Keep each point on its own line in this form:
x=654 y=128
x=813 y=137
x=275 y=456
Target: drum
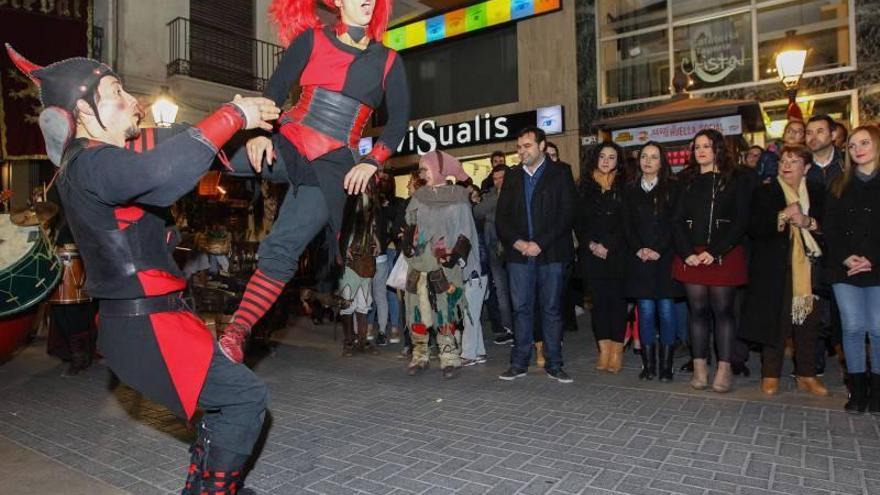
x=29 y=269
x=71 y=290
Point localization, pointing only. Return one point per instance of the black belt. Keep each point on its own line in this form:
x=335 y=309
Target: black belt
x=144 y=306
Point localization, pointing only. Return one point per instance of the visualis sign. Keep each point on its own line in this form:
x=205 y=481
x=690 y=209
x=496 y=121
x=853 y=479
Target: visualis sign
x=427 y=135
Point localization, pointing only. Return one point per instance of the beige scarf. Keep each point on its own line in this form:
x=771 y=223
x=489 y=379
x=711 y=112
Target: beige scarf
x=803 y=248
x=605 y=181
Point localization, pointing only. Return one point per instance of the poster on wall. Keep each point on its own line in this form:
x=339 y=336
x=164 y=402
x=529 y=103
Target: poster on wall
x=678 y=131
x=21 y=25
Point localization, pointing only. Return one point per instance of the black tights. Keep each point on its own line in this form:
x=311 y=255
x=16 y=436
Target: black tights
x=705 y=301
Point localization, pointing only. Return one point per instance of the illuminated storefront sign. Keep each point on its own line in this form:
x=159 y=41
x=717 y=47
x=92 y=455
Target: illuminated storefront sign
x=679 y=131
x=427 y=135
x=466 y=20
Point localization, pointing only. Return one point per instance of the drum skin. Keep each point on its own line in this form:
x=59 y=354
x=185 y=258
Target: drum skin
x=29 y=270
x=13 y=332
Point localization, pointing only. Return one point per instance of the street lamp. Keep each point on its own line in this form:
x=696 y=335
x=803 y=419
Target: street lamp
x=164 y=109
x=790 y=62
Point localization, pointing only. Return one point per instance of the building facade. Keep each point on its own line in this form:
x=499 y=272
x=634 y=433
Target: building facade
x=628 y=52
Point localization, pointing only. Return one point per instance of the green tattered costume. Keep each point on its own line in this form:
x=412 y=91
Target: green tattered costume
x=440 y=214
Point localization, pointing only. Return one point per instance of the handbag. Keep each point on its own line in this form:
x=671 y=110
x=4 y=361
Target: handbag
x=397 y=277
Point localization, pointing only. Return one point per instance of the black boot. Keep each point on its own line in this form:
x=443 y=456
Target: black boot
x=874 y=395
x=649 y=362
x=858 y=397
x=80 y=353
x=666 y=354
x=363 y=344
x=213 y=470
x=347 y=335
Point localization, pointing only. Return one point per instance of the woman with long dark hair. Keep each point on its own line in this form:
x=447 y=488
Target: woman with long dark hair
x=853 y=248
x=359 y=245
x=648 y=204
x=711 y=220
x=599 y=229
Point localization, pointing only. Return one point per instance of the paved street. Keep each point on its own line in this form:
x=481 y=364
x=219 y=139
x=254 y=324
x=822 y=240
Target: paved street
x=360 y=425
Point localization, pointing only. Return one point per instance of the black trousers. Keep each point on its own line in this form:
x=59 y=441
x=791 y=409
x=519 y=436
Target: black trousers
x=609 y=309
x=805 y=337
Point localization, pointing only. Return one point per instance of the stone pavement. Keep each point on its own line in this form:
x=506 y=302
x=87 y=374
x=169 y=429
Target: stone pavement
x=360 y=426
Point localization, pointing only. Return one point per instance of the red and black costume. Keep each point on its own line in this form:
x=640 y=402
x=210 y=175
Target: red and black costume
x=116 y=201
x=317 y=141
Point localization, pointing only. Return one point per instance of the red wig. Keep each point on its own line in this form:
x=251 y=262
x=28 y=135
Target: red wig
x=293 y=17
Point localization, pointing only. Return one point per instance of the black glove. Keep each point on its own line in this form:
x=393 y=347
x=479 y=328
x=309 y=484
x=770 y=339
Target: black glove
x=460 y=251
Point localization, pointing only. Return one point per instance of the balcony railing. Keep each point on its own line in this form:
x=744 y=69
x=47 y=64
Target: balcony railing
x=213 y=54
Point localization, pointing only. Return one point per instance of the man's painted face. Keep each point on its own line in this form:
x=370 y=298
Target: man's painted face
x=119 y=111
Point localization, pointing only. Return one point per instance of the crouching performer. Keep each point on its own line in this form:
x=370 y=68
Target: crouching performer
x=116 y=200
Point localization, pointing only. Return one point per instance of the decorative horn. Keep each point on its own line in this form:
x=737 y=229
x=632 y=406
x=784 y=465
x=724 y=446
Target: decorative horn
x=23 y=64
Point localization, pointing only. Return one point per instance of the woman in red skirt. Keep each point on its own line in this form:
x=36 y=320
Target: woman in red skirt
x=710 y=224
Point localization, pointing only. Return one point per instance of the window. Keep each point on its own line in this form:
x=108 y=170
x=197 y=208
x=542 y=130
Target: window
x=715 y=52
x=821 y=25
x=617 y=18
x=642 y=42
x=636 y=66
x=444 y=78
x=842 y=107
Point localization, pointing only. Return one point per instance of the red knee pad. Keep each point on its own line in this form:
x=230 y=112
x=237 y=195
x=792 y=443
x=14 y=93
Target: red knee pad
x=420 y=328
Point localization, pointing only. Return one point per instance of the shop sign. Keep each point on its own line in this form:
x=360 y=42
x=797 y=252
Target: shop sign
x=679 y=131
x=427 y=135
x=716 y=51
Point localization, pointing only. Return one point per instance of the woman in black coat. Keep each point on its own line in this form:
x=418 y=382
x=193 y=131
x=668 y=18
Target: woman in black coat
x=648 y=204
x=711 y=220
x=784 y=262
x=853 y=236
x=599 y=228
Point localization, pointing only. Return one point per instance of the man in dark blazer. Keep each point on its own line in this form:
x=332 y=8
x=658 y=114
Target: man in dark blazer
x=534 y=222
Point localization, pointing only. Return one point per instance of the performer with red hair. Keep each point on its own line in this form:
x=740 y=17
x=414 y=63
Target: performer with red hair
x=345 y=73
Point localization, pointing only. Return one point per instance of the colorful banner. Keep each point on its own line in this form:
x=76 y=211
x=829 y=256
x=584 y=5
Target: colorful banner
x=466 y=20
x=25 y=26
x=678 y=131
x=436 y=28
x=522 y=8
x=455 y=22
x=497 y=11
x=475 y=17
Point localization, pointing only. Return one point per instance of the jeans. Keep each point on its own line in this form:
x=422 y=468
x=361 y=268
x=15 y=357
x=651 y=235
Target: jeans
x=649 y=311
x=859 y=315
x=682 y=330
x=472 y=343
x=391 y=294
x=529 y=281
x=379 y=313
x=502 y=289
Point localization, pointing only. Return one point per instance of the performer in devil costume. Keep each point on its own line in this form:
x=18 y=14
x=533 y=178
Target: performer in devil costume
x=115 y=200
x=345 y=72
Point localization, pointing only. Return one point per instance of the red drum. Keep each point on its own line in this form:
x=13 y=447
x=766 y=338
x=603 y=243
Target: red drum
x=14 y=331
x=71 y=290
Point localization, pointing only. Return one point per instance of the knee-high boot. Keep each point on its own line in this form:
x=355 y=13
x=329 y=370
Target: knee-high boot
x=363 y=343
x=347 y=335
